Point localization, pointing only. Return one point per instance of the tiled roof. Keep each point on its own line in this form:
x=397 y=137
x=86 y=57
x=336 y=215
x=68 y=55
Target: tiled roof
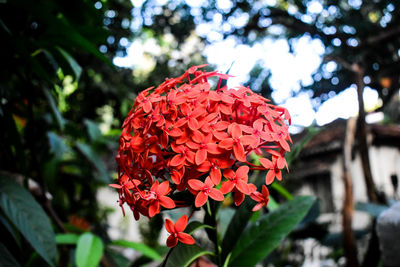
x=330 y=137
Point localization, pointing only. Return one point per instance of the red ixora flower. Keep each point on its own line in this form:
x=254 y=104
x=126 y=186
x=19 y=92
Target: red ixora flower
x=176 y=231
x=182 y=135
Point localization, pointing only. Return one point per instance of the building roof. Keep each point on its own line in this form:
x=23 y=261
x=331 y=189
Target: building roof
x=330 y=137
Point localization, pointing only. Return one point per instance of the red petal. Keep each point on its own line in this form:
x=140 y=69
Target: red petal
x=213 y=148
x=265 y=191
x=279 y=175
x=242 y=187
x=257 y=206
x=115 y=186
x=266 y=163
x=172 y=241
x=238 y=198
x=221 y=125
x=196 y=184
x=258 y=125
x=242 y=172
x=197 y=136
x=163 y=188
x=192 y=145
x=209 y=182
x=154 y=208
x=227 y=143
x=181 y=122
x=177 y=160
x=281 y=162
x=147 y=106
x=175 y=132
x=227 y=187
x=193 y=124
x=197 y=112
x=236 y=131
x=201 y=156
x=181 y=224
x=215 y=175
x=248 y=140
x=220 y=135
x=225 y=109
x=269 y=178
x=166 y=202
x=257 y=196
x=164 y=140
x=204 y=167
x=185 y=238
x=238 y=151
x=228 y=173
x=284 y=145
x=216 y=194
x=201 y=199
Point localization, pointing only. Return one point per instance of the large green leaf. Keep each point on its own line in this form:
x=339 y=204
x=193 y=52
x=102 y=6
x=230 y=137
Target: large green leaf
x=6 y=258
x=236 y=226
x=89 y=250
x=29 y=218
x=182 y=255
x=93 y=158
x=140 y=247
x=262 y=236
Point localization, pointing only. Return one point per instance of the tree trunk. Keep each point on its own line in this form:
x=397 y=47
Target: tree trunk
x=350 y=249
x=362 y=135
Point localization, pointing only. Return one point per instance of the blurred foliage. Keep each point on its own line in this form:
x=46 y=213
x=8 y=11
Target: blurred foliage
x=365 y=32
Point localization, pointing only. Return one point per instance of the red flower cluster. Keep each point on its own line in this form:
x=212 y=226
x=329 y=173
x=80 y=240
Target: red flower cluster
x=183 y=136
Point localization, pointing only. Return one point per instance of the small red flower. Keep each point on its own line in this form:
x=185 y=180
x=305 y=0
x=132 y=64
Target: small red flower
x=205 y=190
x=274 y=168
x=261 y=198
x=158 y=193
x=176 y=231
x=236 y=180
x=237 y=141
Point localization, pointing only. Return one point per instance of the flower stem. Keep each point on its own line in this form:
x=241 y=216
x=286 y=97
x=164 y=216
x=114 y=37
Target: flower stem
x=211 y=219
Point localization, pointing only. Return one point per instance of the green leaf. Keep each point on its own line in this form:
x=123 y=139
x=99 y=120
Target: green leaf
x=76 y=68
x=183 y=255
x=89 y=250
x=236 y=226
x=57 y=145
x=272 y=204
x=225 y=216
x=29 y=218
x=67 y=239
x=56 y=112
x=93 y=158
x=196 y=225
x=6 y=258
x=262 y=236
x=371 y=208
x=140 y=247
x=11 y=229
x=93 y=130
